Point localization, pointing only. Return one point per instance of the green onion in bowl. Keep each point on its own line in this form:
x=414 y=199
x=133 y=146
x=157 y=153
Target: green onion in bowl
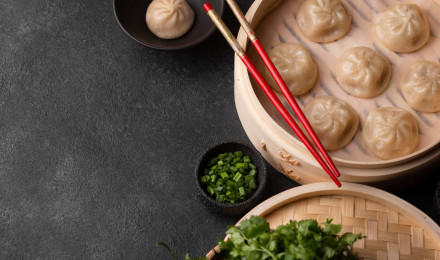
x=230 y=177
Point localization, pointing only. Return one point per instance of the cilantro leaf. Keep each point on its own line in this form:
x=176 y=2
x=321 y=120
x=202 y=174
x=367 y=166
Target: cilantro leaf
x=254 y=226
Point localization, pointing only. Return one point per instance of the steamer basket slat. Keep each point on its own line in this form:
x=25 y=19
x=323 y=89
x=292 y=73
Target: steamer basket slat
x=275 y=23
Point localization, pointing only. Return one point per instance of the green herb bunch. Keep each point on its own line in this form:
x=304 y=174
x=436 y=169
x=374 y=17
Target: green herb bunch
x=302 y=240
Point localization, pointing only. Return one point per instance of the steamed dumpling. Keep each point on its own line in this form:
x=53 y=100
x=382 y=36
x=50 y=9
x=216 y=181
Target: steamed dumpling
x=402 y=27
x=334 y=121
x=169 y=19
x=420 y=86
x=323 y=20
x=363 y=72
x=390 y=132
x=295 y=65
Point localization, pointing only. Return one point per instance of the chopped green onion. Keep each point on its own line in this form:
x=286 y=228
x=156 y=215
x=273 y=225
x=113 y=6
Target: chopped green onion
x=237 y=176
x=230 y=177
x=211 y=190
x=242 y=165
x=222 y=155
x=252 y=184
x=238 y=154
x=236 y=160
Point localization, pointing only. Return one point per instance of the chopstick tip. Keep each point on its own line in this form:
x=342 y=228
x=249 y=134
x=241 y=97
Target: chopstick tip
x=336 y=171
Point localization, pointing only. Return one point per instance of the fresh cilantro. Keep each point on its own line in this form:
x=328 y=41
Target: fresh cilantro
x=303 y=240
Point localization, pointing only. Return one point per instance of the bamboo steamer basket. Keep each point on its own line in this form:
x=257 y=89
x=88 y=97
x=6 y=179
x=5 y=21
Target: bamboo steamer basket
x=275 y=22
x=394 y=228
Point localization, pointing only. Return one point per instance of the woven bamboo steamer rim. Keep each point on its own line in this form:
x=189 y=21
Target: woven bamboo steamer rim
x=289 y=155
x=394 y=228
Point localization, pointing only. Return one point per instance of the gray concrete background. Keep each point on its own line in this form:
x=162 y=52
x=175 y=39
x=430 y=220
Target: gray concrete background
x=99 y=136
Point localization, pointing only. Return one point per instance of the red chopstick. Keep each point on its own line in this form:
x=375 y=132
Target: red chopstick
x=279 y=80
x=266 y=88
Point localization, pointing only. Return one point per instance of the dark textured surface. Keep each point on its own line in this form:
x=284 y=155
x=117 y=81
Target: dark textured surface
x=99 y=136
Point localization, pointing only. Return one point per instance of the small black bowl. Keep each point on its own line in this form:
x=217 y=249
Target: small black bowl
x=239 y=208
x=131 y=16
x=437 y=202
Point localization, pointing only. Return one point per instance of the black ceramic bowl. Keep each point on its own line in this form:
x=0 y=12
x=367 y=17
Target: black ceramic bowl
x=437 y=200
x=241 y=207
x=131 y=16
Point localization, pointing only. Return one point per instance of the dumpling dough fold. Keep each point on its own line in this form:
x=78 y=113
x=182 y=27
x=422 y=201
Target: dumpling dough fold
x=420 y=86
x=402 y=27
x=363 y=72
x=323 y=20
x=390 y=132
x=169 y=19
x=295 y=65
x=334 y=121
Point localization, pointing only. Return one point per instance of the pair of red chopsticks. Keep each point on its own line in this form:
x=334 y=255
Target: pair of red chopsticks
x=267 y=89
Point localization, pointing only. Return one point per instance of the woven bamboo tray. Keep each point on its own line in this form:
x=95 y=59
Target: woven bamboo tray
x=394 y=228
x=275 y=22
